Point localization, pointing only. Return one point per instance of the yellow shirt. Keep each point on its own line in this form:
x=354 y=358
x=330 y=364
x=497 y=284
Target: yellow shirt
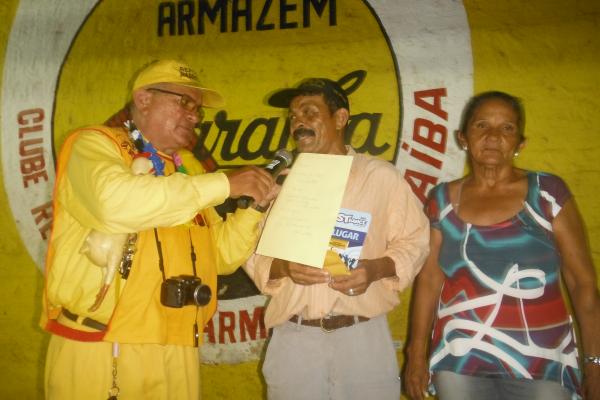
x=399 y=230
x=95 y=189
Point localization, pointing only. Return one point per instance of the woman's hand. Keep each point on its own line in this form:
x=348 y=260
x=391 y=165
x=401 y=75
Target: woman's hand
x=591 y=381
x=416 y=377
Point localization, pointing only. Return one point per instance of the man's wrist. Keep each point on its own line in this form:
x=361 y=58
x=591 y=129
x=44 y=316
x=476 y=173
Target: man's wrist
x=278 y=269
x=380 y=268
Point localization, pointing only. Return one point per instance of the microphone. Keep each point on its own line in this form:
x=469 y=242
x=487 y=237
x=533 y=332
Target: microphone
x=282 y=160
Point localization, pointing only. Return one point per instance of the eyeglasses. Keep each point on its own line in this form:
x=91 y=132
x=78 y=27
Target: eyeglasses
x=185 y=102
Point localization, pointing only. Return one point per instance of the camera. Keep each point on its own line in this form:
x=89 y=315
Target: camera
x=184 y=290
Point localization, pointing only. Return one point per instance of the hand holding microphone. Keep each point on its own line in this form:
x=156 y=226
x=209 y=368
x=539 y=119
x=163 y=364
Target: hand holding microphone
x=252 y=184
x=282 y=160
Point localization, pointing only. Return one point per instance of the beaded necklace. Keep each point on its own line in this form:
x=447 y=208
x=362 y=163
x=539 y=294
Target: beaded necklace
x=147 y=149
x=179 y=164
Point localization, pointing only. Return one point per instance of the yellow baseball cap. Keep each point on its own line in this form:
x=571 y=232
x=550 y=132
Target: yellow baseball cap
x=179 y=73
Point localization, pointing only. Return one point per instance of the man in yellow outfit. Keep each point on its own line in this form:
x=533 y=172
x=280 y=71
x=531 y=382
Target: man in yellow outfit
x=134 y=335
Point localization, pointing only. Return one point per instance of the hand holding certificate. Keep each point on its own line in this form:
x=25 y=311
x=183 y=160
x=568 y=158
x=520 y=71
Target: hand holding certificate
x=303 y=216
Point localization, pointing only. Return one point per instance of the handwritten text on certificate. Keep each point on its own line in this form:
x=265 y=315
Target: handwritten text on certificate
x=301 y=220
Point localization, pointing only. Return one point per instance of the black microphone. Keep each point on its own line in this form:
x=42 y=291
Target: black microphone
x=282 y=160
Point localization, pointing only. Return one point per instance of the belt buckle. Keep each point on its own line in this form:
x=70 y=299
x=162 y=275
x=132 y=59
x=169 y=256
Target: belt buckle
x=323 y=327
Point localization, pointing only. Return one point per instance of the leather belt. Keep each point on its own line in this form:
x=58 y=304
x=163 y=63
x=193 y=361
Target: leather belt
x=90 y=323
x=330 y=323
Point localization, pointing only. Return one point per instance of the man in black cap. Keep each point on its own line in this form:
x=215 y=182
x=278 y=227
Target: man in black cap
x=331 y=338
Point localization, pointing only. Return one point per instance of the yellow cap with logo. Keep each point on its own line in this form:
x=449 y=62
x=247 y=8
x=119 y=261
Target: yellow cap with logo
x=178 y=73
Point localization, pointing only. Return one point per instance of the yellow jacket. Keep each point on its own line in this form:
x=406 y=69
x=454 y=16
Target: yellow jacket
x=95 y=189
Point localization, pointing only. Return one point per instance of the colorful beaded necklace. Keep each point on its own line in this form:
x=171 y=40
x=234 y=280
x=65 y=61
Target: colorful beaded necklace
x=148 y=150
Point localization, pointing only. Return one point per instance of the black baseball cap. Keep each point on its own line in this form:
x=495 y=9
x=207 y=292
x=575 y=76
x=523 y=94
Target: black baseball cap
x=328 y=88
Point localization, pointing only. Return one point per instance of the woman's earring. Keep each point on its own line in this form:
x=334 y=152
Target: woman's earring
x=465 y=147
x=516 y=154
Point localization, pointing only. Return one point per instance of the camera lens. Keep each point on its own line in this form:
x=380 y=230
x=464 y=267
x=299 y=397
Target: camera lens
x=202 y=295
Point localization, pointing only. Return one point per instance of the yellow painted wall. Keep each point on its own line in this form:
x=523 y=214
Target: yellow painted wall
x=22 y=343
x=545 y=51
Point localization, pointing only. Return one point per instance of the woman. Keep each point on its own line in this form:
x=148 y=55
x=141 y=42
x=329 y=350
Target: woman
x=502 y=238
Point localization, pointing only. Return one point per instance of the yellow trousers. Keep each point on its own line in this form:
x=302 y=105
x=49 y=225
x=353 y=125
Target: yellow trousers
x=84 y=370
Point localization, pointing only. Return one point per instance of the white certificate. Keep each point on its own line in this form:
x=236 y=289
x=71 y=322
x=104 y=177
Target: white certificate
x=302 y=218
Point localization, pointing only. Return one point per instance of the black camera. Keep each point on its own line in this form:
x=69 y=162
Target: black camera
x=184 y=290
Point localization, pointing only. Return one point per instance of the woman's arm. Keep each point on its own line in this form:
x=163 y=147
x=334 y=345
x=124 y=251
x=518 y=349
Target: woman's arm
x=426 y=291
x=580 y=278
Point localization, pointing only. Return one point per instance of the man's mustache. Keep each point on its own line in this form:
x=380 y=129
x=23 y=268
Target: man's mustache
x=302 y=132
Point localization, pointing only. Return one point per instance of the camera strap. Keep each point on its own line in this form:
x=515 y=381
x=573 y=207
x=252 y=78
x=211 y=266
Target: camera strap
x=161 y=267
x=192 y=253
x=161 y=262
x=193 y=257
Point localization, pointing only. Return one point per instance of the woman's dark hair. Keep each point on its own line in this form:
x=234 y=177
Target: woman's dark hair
x=477 y=100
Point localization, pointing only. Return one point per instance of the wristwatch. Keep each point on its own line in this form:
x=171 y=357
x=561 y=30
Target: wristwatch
x=592 y=360
x=260 y=208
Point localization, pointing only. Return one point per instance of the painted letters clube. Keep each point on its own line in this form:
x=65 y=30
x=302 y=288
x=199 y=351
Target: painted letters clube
x=33 y=163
